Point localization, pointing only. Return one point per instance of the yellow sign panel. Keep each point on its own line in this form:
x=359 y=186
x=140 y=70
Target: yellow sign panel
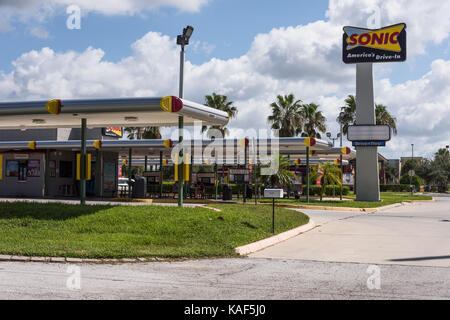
x=53 y=106
x=168 y=143
x=87 y=167
x=97 y=144
x=383 y=39
x=310 y=142
x=32 y=145
x=186 y=176
x=175 y=166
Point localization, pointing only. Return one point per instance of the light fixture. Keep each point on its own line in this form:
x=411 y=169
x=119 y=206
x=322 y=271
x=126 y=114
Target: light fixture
x=131 y=119
x=183 y=39
x=38 y=121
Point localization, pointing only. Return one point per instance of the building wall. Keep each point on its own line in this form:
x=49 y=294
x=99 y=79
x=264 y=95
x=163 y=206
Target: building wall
x=59 y=134
x=59 y=186
x=31 y=187
x=28 y=135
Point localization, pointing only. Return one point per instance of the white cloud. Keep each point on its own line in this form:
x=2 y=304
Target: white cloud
x=33 y=12
x=110 y=7
x=40 y=32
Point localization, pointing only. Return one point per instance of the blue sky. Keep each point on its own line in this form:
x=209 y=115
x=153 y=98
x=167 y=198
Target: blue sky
x=250 y=50
x=229 y=25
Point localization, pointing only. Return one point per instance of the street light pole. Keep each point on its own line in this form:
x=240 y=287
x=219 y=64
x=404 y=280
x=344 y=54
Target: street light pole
x=412 y=161
x=341 y=115
x=180 y=132
x=182 y=40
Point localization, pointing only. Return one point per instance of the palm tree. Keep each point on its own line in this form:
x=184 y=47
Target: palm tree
x=286 y=116
x=384 y=117
x=283 y=177
x=391 y=174
x=349 y=115
x=314 y=121
x=440 y=173
x=329 y=173
x=219 y=102
x=143 y=133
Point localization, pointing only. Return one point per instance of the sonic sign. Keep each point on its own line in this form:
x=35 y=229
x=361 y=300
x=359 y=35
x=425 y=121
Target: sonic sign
x=387 y=44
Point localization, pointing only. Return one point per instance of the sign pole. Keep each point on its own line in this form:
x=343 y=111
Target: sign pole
x=216 y=181
x=83 y=163
x=307 y=174
x=273 y=215
x=160 y=174
x=130 y=159
x=342 y=177
x=245 y=166
x=367 y=184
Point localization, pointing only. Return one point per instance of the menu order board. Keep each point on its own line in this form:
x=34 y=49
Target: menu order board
x=34 y=168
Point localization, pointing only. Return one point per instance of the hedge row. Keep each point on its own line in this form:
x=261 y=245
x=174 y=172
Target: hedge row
x=168 y=188
x=239 y=188
x=395 y=188
x=315 y=190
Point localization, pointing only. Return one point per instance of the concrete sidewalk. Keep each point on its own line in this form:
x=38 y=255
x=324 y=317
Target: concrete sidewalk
x=416 y=234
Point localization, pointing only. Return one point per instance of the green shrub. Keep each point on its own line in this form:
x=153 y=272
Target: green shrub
x=416 y=181
x=394 y=187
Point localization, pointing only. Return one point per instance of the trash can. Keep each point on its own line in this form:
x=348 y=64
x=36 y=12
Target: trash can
x=227 y=193
x=139 y=187
x=249 y=191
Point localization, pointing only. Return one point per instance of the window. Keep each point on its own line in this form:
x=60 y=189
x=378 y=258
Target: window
x=65 y=169
x=12 y=168
x=34 y=168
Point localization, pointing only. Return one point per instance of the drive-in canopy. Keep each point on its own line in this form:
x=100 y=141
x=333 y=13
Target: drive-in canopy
x=294 y=147
x=133 y=112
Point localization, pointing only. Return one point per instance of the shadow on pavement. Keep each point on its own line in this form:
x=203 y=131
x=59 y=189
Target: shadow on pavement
x=421 y=258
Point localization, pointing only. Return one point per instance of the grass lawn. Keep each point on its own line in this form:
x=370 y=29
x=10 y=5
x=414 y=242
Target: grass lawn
x=36 y=229
x=387 y=198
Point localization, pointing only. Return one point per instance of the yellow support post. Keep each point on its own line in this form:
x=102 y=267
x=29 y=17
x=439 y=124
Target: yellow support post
x=175 y=166
x=186 y=167
x=88 y=166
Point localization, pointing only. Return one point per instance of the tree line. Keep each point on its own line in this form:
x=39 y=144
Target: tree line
x=289 y=116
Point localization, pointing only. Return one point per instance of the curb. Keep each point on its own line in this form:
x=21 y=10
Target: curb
x=262 y=244
x=163 y=201
x=370 y=210
x=326 y=208
x=9 y=258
